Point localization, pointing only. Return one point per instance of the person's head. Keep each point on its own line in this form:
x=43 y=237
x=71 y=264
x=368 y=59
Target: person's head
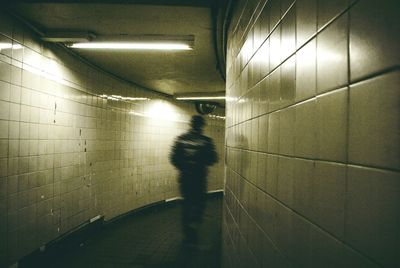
x=197 y=123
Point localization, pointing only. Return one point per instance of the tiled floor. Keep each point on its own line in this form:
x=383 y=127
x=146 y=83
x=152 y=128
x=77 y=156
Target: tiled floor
x=151 y=238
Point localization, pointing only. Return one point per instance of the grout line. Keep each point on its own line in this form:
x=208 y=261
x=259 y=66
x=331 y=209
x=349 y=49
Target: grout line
x=374 y=75
x=255 y=223
x=351 y=164
x=354 y=83
x=343 y=242
x=225 y=225
x=346 y=185
x=297 y=48
x=238 y=228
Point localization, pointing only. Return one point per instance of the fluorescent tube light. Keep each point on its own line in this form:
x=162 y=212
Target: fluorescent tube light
x=202 y=98
x=132 y=45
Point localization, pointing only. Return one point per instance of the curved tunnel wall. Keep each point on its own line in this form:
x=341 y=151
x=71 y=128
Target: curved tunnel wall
x=68 y=153
x=313 y=152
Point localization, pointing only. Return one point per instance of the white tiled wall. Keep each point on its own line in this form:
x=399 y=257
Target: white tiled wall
x=67 y=153
x=313 y=108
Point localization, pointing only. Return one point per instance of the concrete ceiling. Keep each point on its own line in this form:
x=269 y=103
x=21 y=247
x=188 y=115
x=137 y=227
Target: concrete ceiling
x=167 y=72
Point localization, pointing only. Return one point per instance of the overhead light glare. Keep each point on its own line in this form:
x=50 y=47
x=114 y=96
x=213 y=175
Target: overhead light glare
x=132 y=99
x=119 y=97
x=10 y=45
x=125 y=45
x=202 y=98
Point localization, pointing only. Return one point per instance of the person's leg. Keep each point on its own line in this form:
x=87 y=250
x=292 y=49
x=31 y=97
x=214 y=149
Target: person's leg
x=185 y=217
x=188 y=221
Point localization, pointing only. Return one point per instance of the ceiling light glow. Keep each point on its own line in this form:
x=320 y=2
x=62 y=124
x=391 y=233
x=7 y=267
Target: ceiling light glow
x=202 y=98
x=119 y=97
x=161 y=110
x=136 y=45
x=131 y=98
x=9 y=45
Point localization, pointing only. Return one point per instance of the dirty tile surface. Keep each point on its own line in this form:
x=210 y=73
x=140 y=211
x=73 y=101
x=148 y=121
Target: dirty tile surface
x=149 y=238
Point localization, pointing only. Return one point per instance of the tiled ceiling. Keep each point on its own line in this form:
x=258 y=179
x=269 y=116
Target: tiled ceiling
x=167 y=72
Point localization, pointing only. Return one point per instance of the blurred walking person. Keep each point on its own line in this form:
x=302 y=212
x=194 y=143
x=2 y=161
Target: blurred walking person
x=191 y=154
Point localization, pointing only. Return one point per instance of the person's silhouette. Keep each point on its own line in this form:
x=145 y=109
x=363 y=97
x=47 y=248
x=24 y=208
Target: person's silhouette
x=191 y=154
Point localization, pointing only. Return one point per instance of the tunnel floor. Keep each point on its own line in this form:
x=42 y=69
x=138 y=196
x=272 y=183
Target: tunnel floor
x=151 y=238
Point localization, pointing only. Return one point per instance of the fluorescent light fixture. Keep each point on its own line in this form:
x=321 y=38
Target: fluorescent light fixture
x=84 y=40
x=132 y=45
x=202 y=98
x=125 y=41
x=68 y=37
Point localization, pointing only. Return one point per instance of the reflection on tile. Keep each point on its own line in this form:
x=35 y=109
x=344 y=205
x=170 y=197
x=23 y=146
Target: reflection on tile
x=381 y=50
x=264 y=95
x=254 y=134
x=5 y=72
x=4 y=110
x=288 y=40
x=3 y=129
x=286 y=131
x=263 y=57
x=329 y=10
x=255 y=103
x=332 y=113
x=257 y=35
x=275 y=48
x=273 y=132
x=262 y=171
x=306 y=72
x=305 y=132
x=264 y=22
x=274 y=90
x=332 y=56
x=306 y=20
x=310 y=120
x=375 y=121
x=4 y=91
x=287 y=90
x=263 y=133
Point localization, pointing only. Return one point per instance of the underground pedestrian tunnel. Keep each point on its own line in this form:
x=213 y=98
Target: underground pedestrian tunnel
x=301 y=98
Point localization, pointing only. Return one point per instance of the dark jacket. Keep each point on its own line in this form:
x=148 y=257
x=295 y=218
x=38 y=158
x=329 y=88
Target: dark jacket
x=191 y=154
